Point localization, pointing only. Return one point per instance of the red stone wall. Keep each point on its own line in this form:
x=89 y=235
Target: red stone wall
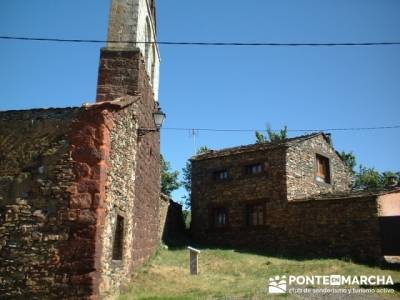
x=51 y=202
x=123 y=72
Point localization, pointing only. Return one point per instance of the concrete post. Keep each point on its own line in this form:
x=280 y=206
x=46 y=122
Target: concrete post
x=194 y=260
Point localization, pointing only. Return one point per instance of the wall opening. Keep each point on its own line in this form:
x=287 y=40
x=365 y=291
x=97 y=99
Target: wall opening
x=118 y=244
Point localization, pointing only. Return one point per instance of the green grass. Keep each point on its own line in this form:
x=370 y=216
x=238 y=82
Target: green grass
x=227 y=274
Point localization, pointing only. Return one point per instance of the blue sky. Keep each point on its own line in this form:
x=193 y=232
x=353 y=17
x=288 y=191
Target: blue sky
x=222 y=87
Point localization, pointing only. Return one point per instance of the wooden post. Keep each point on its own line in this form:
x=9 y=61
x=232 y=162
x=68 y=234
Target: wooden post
x=194 y=261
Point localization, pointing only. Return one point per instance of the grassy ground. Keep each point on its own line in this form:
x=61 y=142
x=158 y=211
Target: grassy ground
x=227 y=274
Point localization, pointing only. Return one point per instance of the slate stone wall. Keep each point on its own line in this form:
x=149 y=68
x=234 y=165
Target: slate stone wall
x=239 y=190
x=301 y=166
x=340 y=227
x=315 y=228
x=45 y=238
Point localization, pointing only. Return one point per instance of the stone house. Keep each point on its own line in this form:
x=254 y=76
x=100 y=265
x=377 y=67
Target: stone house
x=80 y=187
x=290 y=196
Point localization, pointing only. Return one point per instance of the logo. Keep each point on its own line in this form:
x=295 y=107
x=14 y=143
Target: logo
x=277 y=285
x=293 y=284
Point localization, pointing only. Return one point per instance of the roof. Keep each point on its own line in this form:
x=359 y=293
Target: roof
x=117 y=103
x=258 y=146
x=352 y=194
x=46 y=113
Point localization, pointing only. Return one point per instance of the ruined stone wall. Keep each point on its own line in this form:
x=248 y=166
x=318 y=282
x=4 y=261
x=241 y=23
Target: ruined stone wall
x=323 y=228
x=37 y=179
x=301 y=169
x=241 y=189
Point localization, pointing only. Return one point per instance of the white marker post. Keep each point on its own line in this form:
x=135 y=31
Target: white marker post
x=194 y=261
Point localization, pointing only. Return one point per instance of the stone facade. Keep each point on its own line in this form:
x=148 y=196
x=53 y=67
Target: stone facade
x=266 y=196
x=80 y=187
x=300 y=169
x=67 y=175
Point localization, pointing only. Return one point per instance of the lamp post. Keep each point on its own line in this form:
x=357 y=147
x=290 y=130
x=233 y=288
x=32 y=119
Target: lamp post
x=158 y=117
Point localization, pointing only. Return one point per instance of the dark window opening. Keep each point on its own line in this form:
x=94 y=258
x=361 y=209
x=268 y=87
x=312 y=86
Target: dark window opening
x=221 y=175
x=255 y=215
x=254 y=169
x=220 y=217
x=118 y=244
x=322 y=169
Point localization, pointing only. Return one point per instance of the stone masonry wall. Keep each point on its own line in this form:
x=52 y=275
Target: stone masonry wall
x=123 y=72
x=239 y=190
x=324 y=228
x=38 y=213
x=301 y=168
x=53 y=198
x=120 y=198
x=340 y=227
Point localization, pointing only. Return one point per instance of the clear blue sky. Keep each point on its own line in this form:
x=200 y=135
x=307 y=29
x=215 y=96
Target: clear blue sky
x=221 y=87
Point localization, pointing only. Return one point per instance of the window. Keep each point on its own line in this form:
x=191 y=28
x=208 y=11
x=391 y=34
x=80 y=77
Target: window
x=221 y=175
x=255 y=215
x=322 y=169
x=220 y=217
x=118 y=239
x=254 y=169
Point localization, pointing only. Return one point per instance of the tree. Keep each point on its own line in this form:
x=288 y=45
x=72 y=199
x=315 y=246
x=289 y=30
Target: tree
x=271 y=135
x=388 y=177
x=367 y=178
x=349 y=160
x=169 y=178
x=187 y=177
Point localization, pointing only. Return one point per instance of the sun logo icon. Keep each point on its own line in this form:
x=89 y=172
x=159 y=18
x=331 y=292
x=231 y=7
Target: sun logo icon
x=277 y=285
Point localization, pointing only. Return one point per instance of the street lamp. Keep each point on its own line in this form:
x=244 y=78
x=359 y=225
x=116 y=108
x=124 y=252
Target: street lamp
x=158 y=117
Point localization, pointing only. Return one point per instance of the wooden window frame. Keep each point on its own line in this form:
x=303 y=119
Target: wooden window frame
x=249 y=211
x=327 y=177
x=248 y=169
x=218 y=178
x=213 y=217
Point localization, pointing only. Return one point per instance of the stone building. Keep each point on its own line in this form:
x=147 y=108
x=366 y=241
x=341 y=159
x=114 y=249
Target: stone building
x=290 y=196
x=80 y=187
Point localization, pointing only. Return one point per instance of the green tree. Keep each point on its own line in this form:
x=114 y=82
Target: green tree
x=271 y=135
x=349 y=160
x=388 y=176
x=169 y=178
x=367 y=178
x=187 y=177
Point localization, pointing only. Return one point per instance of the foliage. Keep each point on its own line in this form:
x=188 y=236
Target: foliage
x=169 y=178
x=349 y=160
x=187 y=177
x=369 y=178
x=271 y=135
x=386 y=177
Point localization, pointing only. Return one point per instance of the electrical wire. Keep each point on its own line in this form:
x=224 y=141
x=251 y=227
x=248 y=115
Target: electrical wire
x=289 y=130
x=40 y=39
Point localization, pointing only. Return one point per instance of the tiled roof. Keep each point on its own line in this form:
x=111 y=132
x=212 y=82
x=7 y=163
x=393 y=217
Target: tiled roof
x=256 y=147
